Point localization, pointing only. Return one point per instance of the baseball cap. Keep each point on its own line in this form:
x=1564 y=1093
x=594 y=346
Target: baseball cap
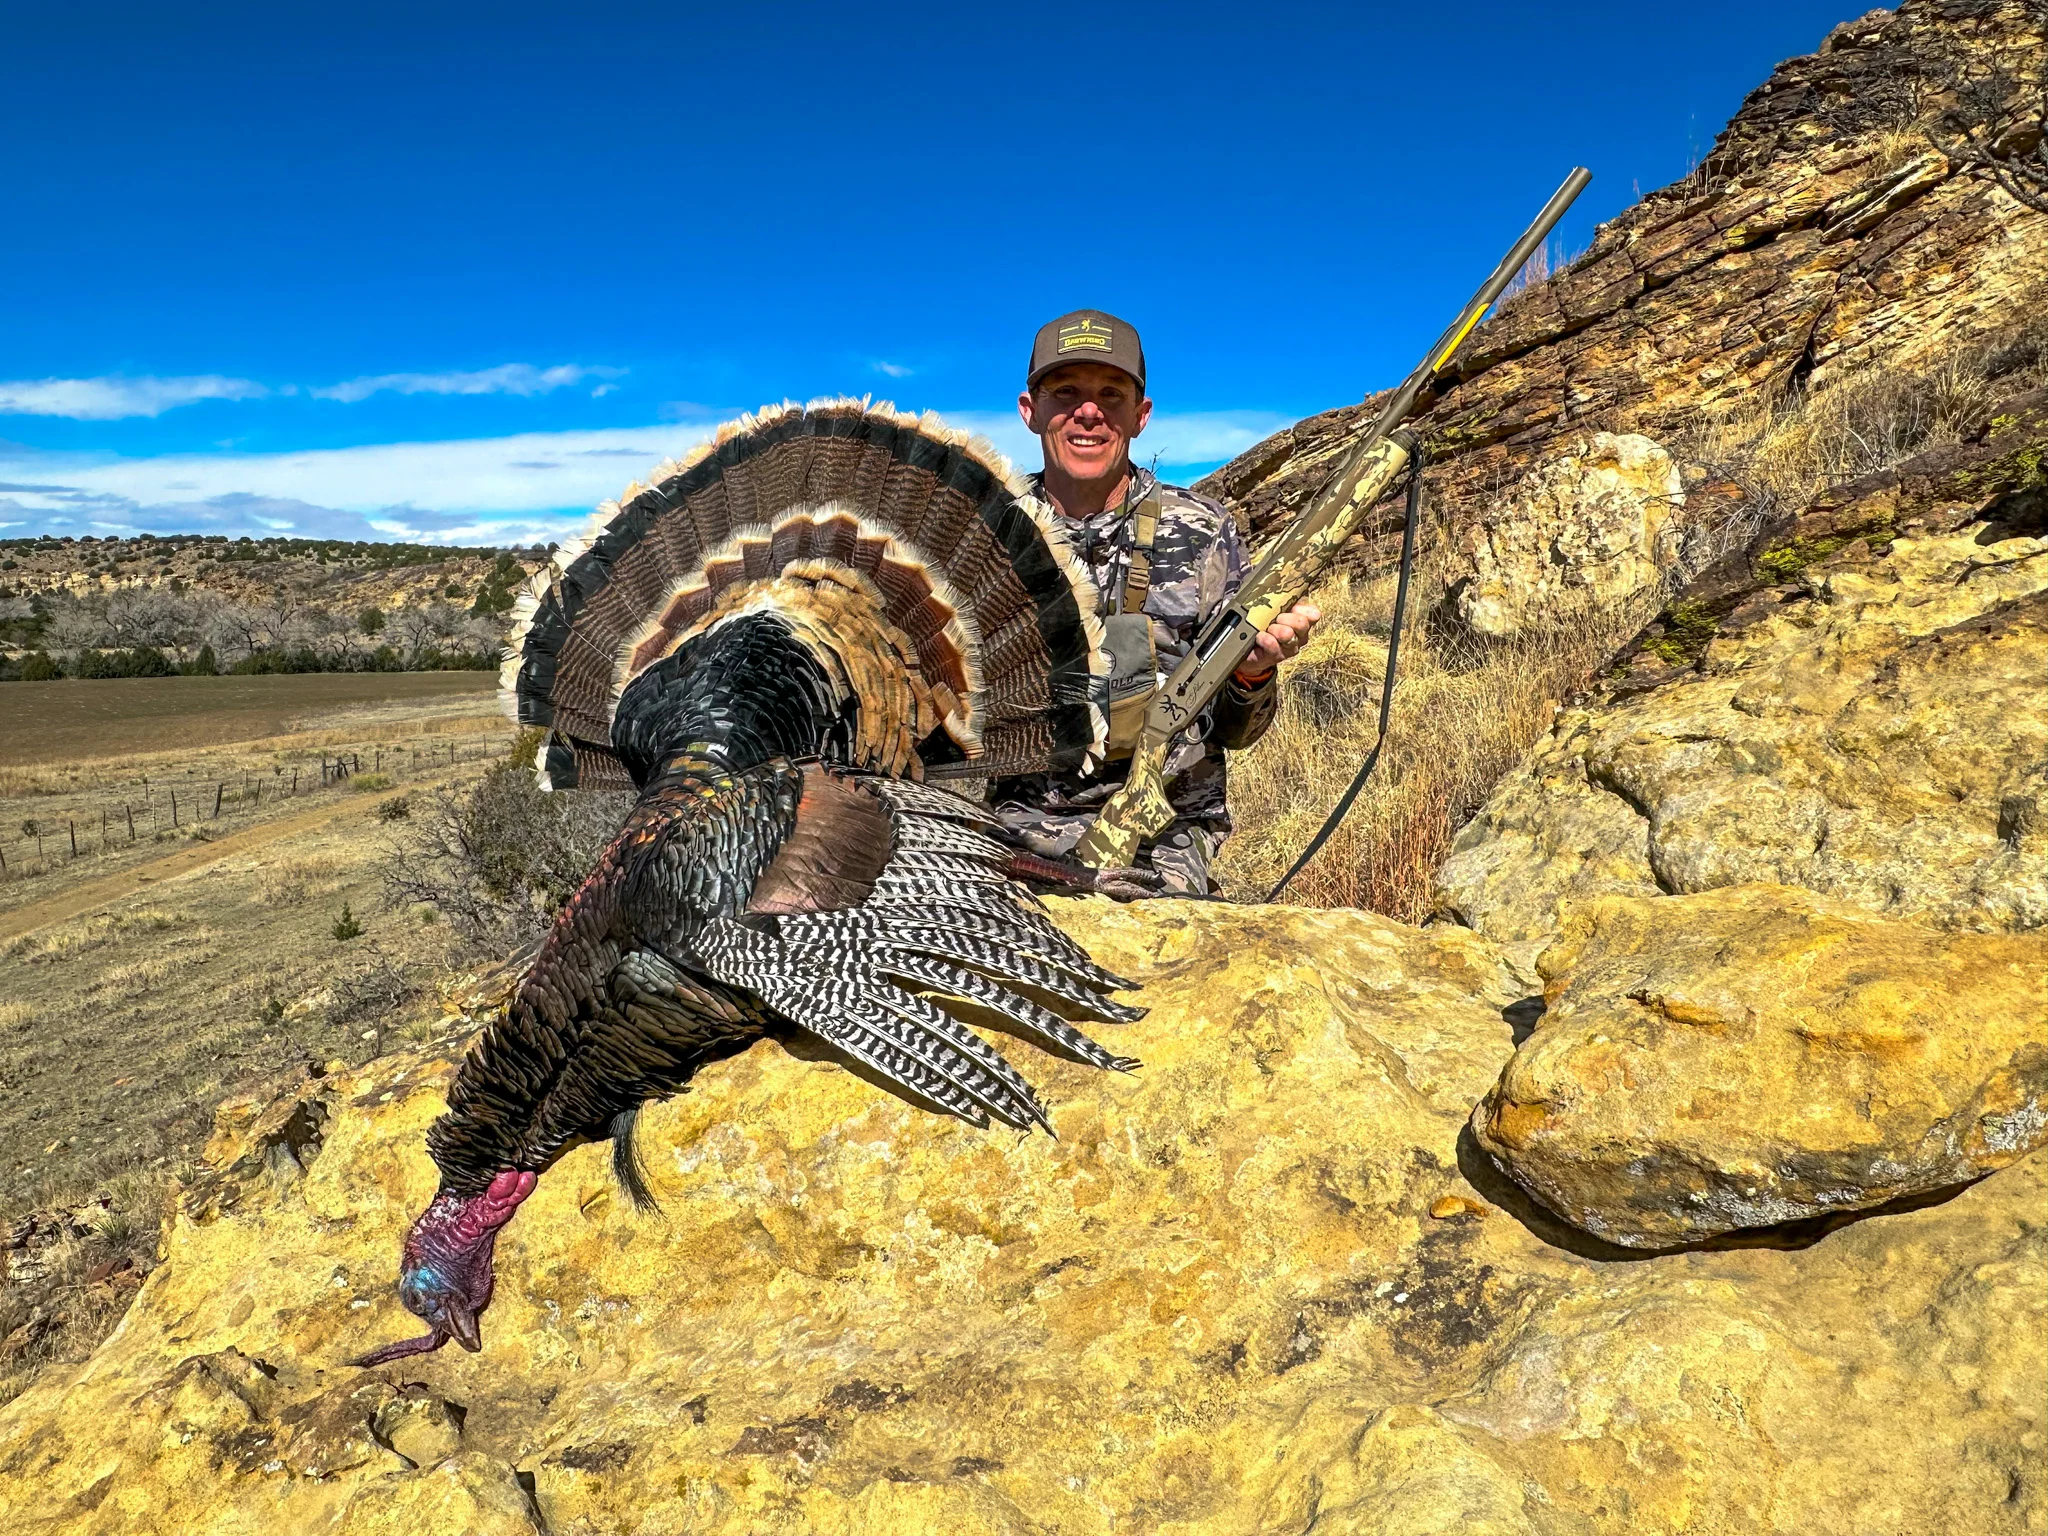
x=1086 y=336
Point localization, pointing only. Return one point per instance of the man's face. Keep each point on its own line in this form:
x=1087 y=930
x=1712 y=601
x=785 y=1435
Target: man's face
x=1086 y=414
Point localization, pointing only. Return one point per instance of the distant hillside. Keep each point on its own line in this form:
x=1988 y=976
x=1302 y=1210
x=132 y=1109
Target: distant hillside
x=341 y=573
x=90 y=607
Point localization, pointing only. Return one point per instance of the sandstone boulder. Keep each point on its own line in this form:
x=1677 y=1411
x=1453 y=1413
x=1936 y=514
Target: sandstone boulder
x=1250 y=1287
x=1756 y=1056
x=1592 y=528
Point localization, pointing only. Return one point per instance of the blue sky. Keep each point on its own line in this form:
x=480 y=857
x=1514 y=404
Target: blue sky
x=459 y=272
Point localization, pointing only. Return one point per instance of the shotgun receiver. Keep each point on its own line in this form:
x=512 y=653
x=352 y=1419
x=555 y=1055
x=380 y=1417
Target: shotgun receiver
x=1289 y=568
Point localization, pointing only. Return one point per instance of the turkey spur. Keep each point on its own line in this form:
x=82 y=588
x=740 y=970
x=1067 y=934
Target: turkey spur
x=780 y=643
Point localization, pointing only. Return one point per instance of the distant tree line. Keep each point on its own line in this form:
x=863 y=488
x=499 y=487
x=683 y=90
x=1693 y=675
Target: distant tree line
x=154 y=632
x=151 y=550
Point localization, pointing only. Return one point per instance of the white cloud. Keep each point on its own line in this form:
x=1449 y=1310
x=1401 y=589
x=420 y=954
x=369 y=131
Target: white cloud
x=893 y=370
x=112 y=398
x=506 y=379
x=526 y=488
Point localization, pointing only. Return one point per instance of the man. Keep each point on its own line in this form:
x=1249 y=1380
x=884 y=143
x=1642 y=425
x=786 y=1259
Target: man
x=1163 y=559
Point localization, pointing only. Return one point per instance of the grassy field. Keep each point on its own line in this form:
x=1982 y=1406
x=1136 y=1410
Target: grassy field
x=70 y=719
x=182 y=948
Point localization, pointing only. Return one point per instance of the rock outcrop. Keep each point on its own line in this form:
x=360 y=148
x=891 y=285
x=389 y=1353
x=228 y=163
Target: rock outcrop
x=1853 y=704
x=1254 y=1286
x=1822 y=235
x=1709 y=1064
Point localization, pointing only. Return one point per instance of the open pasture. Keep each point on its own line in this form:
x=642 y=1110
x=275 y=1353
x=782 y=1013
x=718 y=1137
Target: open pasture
x=166 y=928
x=73 y=719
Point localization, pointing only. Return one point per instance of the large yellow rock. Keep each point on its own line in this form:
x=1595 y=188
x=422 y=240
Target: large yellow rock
x=1247 y=1289
x=1592 y=528
x=1756 y=1055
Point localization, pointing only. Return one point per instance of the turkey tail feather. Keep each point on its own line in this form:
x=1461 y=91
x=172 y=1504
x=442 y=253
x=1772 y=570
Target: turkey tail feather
x=627 y=1167
x=942 y=602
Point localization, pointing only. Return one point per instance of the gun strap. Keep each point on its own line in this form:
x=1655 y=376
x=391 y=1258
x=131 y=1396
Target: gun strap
x=1372 y=758
x=1138 y=574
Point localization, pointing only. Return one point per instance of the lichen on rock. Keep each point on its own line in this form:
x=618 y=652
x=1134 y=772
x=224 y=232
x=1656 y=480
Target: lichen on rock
x=1593 y=528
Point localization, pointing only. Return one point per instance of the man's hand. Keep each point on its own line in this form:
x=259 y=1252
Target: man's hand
x=1287 y=634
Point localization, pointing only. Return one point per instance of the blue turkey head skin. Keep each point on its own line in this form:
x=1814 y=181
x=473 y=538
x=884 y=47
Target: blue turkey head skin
x=445 y=1272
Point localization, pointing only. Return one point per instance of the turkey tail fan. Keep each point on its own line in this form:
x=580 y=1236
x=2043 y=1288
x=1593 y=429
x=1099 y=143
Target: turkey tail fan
x=955 y=626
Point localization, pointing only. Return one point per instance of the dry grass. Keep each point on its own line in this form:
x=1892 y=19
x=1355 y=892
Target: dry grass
x=70 y=1282
x=1787 y=450
x=131 y=980
x=69 y=940
x=289 y=881
x=1465 y=711
x=1463 y=714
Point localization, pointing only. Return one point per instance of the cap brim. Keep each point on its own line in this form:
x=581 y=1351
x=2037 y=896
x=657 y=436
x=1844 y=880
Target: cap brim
x=1031 y=379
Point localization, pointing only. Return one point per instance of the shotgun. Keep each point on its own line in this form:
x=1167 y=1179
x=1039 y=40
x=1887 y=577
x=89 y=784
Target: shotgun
x=1290 y=567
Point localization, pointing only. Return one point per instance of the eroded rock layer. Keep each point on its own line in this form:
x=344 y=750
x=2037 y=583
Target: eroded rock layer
x=1756 y=1055
x=1824 y=234
x=1857 y=703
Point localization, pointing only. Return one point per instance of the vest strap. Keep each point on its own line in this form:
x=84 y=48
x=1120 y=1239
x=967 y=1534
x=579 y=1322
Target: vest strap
x=1138 y=577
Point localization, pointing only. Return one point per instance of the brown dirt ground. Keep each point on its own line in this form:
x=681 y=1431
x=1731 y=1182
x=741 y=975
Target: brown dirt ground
x=74 y=718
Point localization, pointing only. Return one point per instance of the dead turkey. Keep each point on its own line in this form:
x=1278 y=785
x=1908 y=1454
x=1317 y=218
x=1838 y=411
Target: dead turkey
x=775 y=643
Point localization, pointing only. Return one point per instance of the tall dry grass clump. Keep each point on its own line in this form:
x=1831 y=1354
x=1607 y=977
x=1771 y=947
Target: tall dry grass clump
x=1464 y=712
x=1785 y=450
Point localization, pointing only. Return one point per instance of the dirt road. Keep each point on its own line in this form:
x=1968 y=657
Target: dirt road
x=87 y=896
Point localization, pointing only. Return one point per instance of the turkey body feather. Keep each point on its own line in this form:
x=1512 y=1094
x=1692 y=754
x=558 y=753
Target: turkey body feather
x=774 y=643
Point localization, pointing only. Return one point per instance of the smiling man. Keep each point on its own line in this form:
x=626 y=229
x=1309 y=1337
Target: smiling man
x=1162 y=558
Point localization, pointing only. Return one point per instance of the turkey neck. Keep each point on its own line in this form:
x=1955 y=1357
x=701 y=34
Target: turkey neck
x=730 y=699
x=712 y=735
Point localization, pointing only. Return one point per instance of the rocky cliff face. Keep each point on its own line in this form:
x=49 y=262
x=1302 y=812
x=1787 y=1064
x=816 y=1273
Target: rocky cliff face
x=1269 y=1283
x=1823 y=235
x=1856 y=703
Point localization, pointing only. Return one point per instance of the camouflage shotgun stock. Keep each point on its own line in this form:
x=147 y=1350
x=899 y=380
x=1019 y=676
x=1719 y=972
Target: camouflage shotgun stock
x=1290 y=567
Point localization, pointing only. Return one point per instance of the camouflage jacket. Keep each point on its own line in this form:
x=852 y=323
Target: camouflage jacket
x=1198 y=559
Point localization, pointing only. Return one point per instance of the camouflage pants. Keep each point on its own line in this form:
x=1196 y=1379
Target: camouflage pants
x=1182 y=857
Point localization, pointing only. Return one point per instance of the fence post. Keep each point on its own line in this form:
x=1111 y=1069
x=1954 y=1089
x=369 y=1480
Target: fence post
x=72 y=827
x=131 y=819
x=295 y=781
x=174 y=810
x=216 y=802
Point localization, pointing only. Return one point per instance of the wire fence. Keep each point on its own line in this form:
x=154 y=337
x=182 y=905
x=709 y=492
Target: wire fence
x=157 y=809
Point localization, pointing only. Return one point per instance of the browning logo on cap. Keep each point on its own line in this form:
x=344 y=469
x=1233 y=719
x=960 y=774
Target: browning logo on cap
x=1086 y=336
